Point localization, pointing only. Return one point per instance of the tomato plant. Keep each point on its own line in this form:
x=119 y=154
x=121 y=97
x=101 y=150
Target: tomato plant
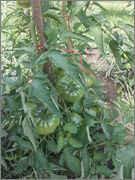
x=56 y=123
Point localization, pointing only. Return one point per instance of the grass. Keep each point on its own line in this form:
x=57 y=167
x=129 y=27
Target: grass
x=116 y=10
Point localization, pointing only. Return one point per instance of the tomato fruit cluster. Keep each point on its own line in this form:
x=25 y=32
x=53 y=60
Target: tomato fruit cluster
x=71 y=92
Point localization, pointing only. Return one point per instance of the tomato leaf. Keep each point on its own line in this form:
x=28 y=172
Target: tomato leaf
x=28 y=131
x=38 y=162
x=116 y=52
x=10 y=80
x=105 y=129
x=73 y=163
x=86 y=161
x=62 y=61
x=40 y=91
x=82 y=135
x=128 y=117
x=70 y=127
x=51 y=146
x=126 y=157
x=104 y=170
x=41 y=158
x=53 y=16
x=23 y=144
x=26 y=108
x=76 y=7
x=74 y=35
x=22 y=165
x=3 y=133
x=75 y=143
x=3 y=162
x=55 y=176
x=98 y=36
x=60 y=143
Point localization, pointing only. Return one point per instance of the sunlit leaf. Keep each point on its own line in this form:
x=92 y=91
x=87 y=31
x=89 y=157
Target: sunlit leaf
x=41 y=92
x=97 y=32
x=76 y=7
x=28 y=131
x=62 y=61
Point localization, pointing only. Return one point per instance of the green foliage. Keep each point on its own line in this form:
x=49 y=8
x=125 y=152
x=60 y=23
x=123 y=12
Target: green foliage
x=44 y=96
x=97 y=32
x=22 y=165
x=115 y=50
x=73 y=163
x=126 y=156
x=63 y=62
x=70 y=127
x=27 y=128
x=95 y=147
x=86 y=161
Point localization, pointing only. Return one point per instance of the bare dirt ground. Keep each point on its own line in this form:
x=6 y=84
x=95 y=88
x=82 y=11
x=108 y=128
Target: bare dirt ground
x=109 y=87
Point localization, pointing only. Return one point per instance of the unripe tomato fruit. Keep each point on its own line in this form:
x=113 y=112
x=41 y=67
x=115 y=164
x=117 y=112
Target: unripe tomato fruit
x=88 y=80
x=76 y=118
x=69 y=89
x=58 y=73
x=33 y=107
x=47 y=126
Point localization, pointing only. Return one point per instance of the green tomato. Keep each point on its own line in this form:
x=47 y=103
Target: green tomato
x=76 y=118
x=58 y=73
x=34 y=108
x=47 y=126
x=69 y=89
x=88 y=80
